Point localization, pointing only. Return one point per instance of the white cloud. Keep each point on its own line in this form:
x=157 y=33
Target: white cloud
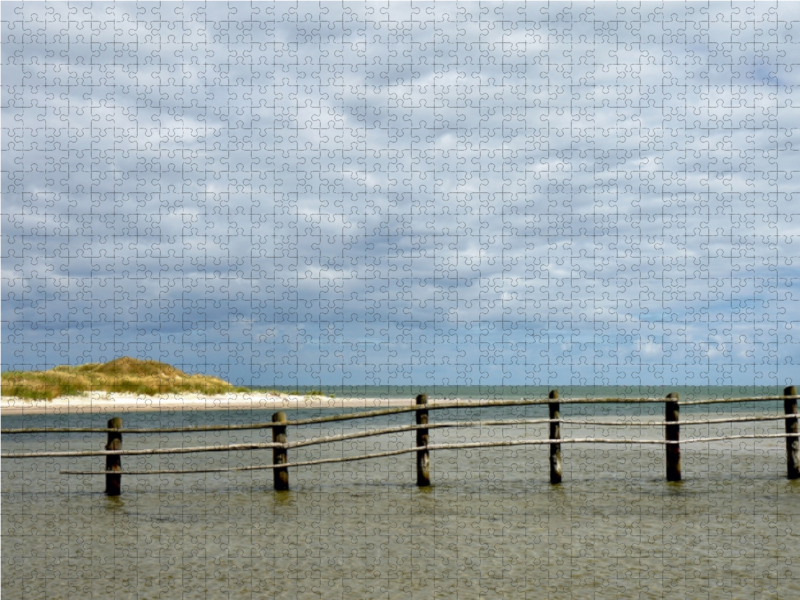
x=429 y=172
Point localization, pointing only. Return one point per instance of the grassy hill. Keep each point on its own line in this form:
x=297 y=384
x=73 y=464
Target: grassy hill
x=128 y=375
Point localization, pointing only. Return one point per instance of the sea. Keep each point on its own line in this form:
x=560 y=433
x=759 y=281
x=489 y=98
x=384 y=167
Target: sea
x=490 y=525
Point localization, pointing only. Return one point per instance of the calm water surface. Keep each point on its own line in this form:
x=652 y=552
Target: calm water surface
x=490 y=525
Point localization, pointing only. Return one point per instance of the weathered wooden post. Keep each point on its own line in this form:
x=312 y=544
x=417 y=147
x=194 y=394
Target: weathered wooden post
x=114 y=462
x=792 y=443
x=423 y=460
x=555 y=434
x=673 y=434
x=280 y=475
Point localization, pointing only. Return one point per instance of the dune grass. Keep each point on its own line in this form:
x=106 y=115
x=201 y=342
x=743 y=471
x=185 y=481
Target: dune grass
x=126 y=375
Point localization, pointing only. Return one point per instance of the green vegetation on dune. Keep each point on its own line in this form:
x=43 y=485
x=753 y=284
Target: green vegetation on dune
x=126 y=375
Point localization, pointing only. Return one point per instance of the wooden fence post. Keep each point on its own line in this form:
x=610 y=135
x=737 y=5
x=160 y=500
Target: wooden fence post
x=114 y=462
x=280 y=475
x=555 y=434
x=792 y=444
x=673 y=433
x=423 y=460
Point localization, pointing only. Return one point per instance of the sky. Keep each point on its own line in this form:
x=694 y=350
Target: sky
x=392 y=194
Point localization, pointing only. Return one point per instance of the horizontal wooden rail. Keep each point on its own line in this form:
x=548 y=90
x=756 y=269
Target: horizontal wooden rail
x=466 y=445
x=144 y=452
x=728 y=400
x=663 y=423
x=367 y=433
x=444 y=405
x=293 y=445
x=311 y=421
x=289 y=445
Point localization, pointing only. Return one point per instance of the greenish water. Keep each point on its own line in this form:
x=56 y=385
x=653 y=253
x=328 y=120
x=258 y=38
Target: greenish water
x=490 y=525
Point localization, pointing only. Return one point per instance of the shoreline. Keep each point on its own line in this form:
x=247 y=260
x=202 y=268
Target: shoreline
x=108 y=403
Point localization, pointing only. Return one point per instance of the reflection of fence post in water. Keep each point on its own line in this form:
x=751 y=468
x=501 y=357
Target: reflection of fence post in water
x=555 y=434
x=114 y=462
x=423 y=459
x=792 y=443
x=673 y=434
x=280 y=475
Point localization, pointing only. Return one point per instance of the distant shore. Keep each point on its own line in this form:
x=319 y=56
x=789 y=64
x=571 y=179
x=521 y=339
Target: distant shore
x=113 y=402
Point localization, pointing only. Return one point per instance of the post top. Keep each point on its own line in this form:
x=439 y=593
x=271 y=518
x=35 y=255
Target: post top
x=279 y=417
x=422 y=399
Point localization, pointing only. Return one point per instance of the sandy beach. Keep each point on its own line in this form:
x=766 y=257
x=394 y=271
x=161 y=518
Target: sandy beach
x=108 y=403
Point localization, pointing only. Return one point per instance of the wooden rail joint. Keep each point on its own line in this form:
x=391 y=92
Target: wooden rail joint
x=423 y=457
x=673 y=434
x=792 y=443
x=555 y=434
x=114 y=461
x=279 y=455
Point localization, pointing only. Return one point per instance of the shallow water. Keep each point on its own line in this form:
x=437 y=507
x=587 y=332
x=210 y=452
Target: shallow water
x=490 y=525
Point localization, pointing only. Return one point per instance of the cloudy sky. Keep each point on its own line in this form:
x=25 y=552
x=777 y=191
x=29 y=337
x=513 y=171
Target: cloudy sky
x=466 y=193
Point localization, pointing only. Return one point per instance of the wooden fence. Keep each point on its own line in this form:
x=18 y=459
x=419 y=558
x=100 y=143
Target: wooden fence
x=281 y=446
